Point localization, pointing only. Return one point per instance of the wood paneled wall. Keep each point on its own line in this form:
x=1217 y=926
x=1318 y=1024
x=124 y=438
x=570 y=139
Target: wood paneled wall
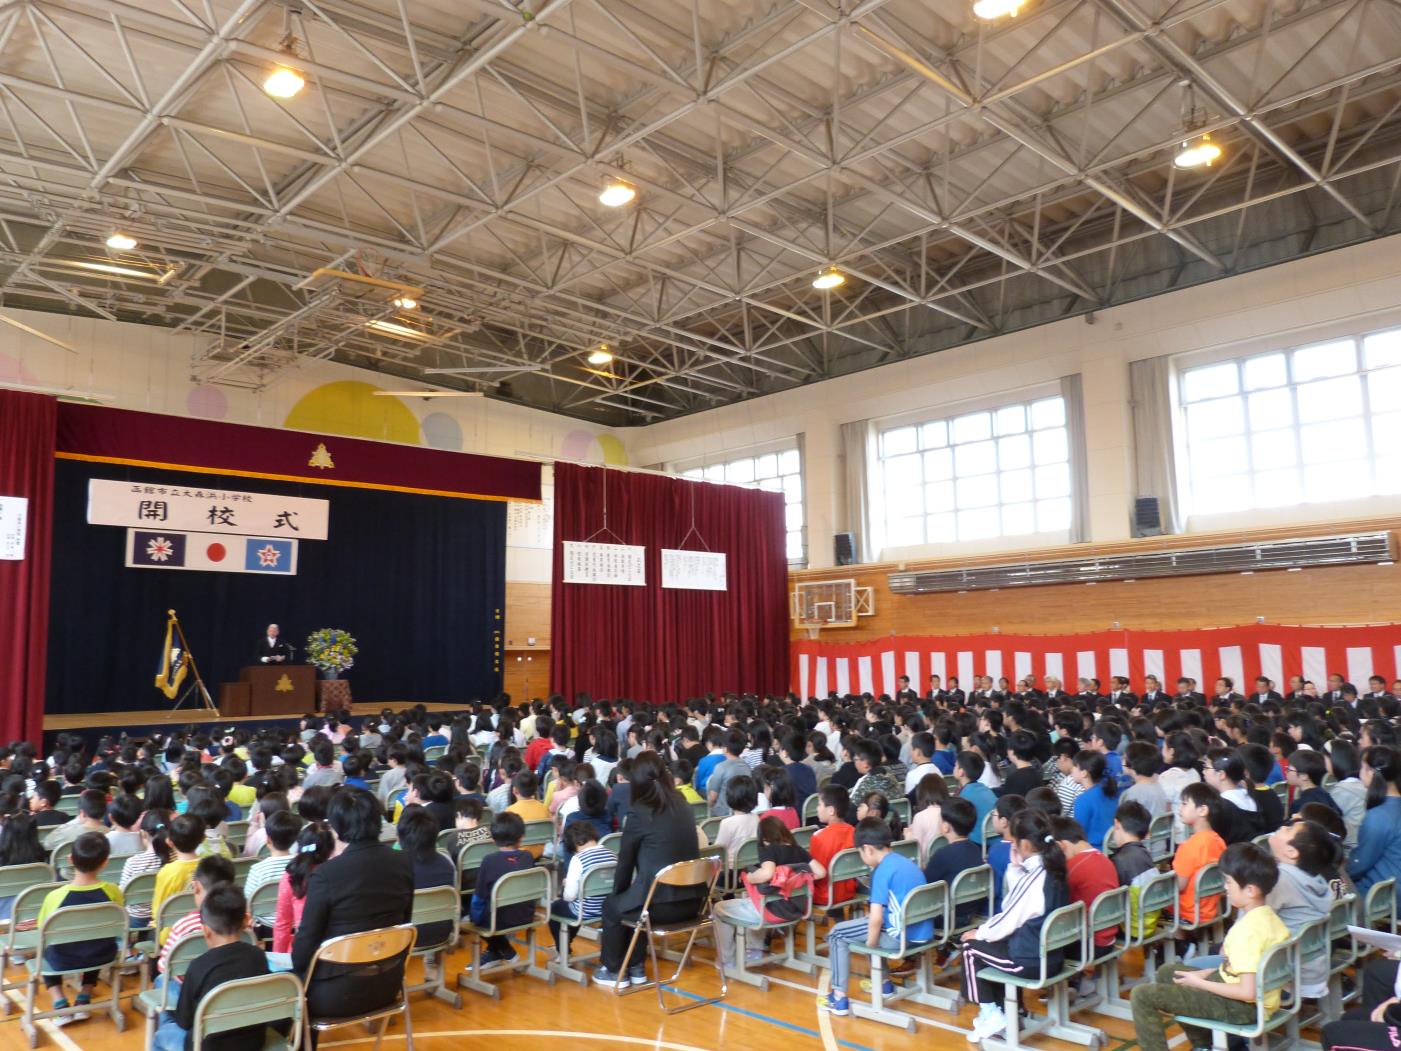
x=1333 y=595
x=525 y=668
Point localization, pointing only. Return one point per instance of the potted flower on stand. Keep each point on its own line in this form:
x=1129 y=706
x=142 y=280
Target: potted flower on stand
x=332 y=650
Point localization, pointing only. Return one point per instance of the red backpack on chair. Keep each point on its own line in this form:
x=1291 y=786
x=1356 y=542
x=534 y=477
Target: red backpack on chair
x=790 y=882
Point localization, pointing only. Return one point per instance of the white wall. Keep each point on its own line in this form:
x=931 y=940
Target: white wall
x=148 y=368
x=1345 y=291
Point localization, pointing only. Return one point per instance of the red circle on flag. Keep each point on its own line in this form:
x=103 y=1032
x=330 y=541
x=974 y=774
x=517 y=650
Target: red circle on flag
x=216 y=552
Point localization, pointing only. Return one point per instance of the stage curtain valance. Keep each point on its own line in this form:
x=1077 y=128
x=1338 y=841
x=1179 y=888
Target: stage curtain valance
x=148 y=439
x=655 y=644
x=27 y=425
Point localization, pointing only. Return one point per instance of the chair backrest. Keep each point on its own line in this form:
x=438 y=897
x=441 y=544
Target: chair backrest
x=141 y=890
x=237 y=833
x=990 y=835
x=1155 y=895
x=809 y=811
x=598 y=881
x=907 y=848
x=935 y=845
x=266 y=999
x=1111 y=842
x=1109 y=910
x=375 y=946
x=1208 y=882
x=746 y=855
x=60 y=859
x=1062 y=928
x=1160 y=837
x=264 y=899
x=803 y=836
x=83 y=923
x=174 y=907
x=846 y=865
x=27 y=904
x=1380 y=904
x=695 y=873
x=928 y=901
x=242 y=866
x=469 y=858
x=516 y=888
x=15 y=878
x=612 y=842
x=971 y=886
x=183 y=953
x=447 y=838
x=437 y=905
x=900 y=807
x=700 y=811
x=68 y=805
x=1278 y=970
x=538 y=833
x=434 y=752
x=1314 y=941
x=1281 y=789
x=710 y=826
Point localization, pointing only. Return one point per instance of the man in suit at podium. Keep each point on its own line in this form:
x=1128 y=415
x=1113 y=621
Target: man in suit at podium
x=272 y=650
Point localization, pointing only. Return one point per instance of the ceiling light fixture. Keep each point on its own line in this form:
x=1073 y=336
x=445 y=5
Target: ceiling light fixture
x=991 y=10
x=121 y=242
x=284 y=83
x=393 y=328
x=601 y=356
x=831 y=277
x=406 y=303
x=1197 y=153
x=616 y=193
x=427 y=393
x=160 y=276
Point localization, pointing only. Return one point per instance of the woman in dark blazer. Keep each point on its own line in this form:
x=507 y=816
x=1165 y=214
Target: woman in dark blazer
x=367 y=886
x=660 y=831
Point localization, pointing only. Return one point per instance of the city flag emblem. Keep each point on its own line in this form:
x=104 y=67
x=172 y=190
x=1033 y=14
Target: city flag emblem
x=166 y=550
x=262 y=555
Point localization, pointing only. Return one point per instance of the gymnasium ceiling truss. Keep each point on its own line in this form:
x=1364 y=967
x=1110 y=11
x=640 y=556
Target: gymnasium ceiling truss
x=968 y=178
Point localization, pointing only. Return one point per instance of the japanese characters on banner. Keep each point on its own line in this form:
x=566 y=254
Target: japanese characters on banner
x=1239 y=653
x=211 y=552
x=693 y=570
x=529 y=525
x=144 y=505
x=586 y=563
x=14 y=512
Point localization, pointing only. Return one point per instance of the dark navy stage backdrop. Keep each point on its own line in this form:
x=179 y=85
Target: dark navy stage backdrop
x=418 y=580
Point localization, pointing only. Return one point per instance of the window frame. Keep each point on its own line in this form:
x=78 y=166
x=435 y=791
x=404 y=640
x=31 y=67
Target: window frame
x=776 y=446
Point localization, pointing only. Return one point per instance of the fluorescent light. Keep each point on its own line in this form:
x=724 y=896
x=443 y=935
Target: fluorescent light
x=829 y=278
x=393 y=328
x=63 y=393
x=427 y=393
x=1197 y=153
x=601 y=356
x=617 y=193
x=406 y=303
x=483 y=368
x=159 y=276
x=284 y=83
x=990 y=10
x=121 y=242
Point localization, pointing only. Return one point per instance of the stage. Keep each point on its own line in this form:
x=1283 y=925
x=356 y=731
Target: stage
x=145 y=720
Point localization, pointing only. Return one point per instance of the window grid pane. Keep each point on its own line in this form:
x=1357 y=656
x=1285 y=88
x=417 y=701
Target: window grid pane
x=1319 y=423
x=778 y=471
x=979 y=475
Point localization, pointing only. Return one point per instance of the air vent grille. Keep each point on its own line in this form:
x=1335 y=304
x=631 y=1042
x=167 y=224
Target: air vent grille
x=1233 y=558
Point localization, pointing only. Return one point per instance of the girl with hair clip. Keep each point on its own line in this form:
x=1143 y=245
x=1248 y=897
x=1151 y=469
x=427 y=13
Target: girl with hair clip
x=315 y=845
x=1378 y=853
x=1010 y=940
x=157 y=851
x=1095 y=806
x=876 y=804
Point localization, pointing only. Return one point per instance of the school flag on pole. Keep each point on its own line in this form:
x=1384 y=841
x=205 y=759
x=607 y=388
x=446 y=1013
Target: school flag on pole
x=173 y=669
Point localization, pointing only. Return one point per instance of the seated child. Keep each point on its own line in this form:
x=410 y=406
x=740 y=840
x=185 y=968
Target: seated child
x=1132 y=862
x=742 y=824
x=507 y=831
x=835 y=835
x=957 y=818
x=1000 y=850
x=281 y=829
x=1199 y=811
x=209 y=873
x=90 y=852
x=776 y=847
x=581 y=840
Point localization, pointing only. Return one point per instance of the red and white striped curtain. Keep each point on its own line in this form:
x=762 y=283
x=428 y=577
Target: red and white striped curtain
x=1203 y=654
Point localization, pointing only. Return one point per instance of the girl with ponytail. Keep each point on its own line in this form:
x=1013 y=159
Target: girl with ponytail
x=155 y=839
x=1378 y=853
x=1011 y=940
x=314 y=847
x=1095 y=806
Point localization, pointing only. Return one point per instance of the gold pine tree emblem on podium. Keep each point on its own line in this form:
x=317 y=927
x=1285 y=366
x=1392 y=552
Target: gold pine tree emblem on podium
x=284 y=684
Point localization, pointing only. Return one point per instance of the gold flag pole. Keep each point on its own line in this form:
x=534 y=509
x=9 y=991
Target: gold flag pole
x=198 y=683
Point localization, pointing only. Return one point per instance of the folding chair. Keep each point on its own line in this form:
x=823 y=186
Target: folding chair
x=900 y=807
x=710 y=826
x=28 y=901
x=803 y=836
x=990 y=835
x=515 y=888
x=746 y=855
x=973 y=886
x=1278 y=971
x=846 y=865
x=264 y=900
x=237 y=834
x=700 y=811
x=612 y=842
x=77 y=923
x=1156 y=899
x=446 y=839
x=171 y=909
x=809 y=811
x=702 y=872
x=907 y=848
x=140 y=891
x=1281 y=789
x=366 y=947
x=242 y=866
x=266 y=999
x=154 y=1002
x=598 y=882
x=1208 y=882
x=436 y=905
x=67 y=805
x=1379 y=906
x=433 y=753
x=1313 y=939
x=1110 y=909
x=788 y=957
x=15 y=878
x=1159 y=841
x=1062 y=928
x=927 y=902
x=930 y=848
x=469 y=859
x=1344 y=955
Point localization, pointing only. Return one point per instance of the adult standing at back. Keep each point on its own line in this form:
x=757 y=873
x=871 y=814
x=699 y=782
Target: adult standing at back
x=660 y=831
x=368 y=885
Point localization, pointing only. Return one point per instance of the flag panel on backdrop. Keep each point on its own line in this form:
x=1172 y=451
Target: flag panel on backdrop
x=210 y=552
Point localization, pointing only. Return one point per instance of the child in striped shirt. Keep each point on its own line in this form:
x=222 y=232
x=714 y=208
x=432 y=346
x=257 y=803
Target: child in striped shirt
x=281 y=827
x=581 y=839
x=212 y=870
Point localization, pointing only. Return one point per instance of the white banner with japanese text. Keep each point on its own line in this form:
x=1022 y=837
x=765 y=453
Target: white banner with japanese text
x=14 y=511
x=694 y=570
x=586 y=563
x=146 y=505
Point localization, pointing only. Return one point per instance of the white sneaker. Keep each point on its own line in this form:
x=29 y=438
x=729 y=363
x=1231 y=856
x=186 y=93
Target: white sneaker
x=987 y=1025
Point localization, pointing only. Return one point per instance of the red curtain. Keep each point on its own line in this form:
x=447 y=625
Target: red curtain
x=28 y=423
x=657 y=644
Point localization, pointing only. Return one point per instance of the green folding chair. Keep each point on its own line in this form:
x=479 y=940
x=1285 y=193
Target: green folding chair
x=846 y=865
x=907 y=848
x=809 y=811
x=515 y=888
x=700 y=811
x=803 y=836
x=65 y=926
x=28 y=901
x=990 y=835
x=931 y=848
x=1208 y=882
x=446 y=839
x=433 y=753
x=236 y=834
x=15 y=878
x=1110 y=910
x=711 y=827
x=929 y=901
x=612 y=842
x=154 y=1002
x=598 y=882
x=68 y=805
x=900 y=807
x=267 y=1000
x=1379 y=906
x=469 y=859
x=1159 y=841
x=432 y=905
x=242 y=866
x=1277 y=973
x=263 y=903
x=787 y=956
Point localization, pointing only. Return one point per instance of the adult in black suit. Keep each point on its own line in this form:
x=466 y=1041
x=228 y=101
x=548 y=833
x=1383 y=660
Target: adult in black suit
x=660 y=831
x=1153 y=694
x=953 y=694
x=904 y=694
x=271 y=649
x=366 y=887
x=1265 y=691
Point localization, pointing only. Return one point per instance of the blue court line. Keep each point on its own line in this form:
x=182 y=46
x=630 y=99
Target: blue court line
x=790 y=1026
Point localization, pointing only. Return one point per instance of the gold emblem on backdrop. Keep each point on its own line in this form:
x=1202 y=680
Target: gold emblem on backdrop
x=321 y=458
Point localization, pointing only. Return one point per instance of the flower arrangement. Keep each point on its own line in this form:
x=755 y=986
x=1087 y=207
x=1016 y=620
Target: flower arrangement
x=331 y=649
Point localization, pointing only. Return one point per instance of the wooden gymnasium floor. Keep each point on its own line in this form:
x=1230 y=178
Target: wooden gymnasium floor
x=197 y=716
x=533 y=1015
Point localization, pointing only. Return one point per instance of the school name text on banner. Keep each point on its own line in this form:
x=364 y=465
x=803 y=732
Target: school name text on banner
x=145 y=505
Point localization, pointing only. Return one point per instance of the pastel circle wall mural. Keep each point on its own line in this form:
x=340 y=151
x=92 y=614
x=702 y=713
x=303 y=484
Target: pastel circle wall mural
x=207 y=401
x=442 y=431
x=350 y=408
x=593 y=448
x=12 y=370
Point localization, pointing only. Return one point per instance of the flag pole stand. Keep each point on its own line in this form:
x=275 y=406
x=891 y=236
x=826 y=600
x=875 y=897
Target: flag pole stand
x=197 y=687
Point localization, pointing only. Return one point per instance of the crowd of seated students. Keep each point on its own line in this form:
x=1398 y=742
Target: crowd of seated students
x=1058 y=778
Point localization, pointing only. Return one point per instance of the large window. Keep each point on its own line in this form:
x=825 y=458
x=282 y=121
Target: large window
x=1307 y=425
x=999 y=472
x=777 y=469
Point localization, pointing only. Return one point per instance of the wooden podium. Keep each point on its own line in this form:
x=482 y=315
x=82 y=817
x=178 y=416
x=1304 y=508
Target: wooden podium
x=274 y=689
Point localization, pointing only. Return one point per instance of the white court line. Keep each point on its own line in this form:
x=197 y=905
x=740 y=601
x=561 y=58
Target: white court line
x=613 y=1038
x=53 y=1032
